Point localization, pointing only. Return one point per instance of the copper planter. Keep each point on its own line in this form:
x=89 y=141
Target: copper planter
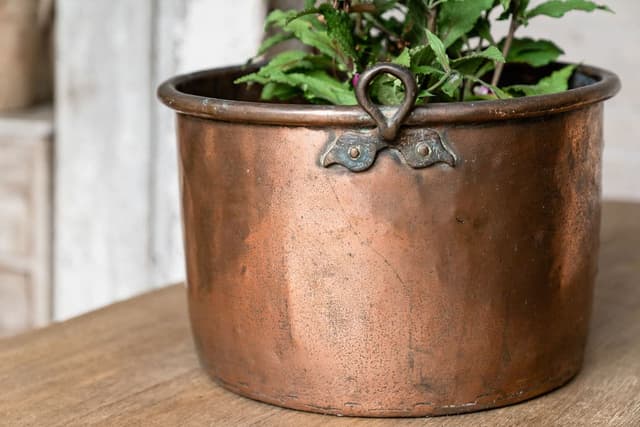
x=396 y=290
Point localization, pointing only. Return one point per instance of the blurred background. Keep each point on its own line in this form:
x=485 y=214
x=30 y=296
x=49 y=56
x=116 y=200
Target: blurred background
x=89 y=210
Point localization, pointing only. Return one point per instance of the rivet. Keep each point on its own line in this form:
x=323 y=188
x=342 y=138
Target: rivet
x=423 y=149
x=354 y=152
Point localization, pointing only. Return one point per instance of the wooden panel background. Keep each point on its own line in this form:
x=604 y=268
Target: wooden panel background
x=25 y=220
x=102 y=152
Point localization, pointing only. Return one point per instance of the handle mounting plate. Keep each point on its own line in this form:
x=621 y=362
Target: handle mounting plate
x=420 y=147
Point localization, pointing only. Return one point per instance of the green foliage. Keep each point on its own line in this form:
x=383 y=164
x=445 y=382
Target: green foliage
x=447 y=44
x=439 y=50
x=558 y=81
x=492 y=53
x=304 y=72
x=457 y=18
x=557 y=8
x=533 y=52
x=272 y=41
x=340 y=30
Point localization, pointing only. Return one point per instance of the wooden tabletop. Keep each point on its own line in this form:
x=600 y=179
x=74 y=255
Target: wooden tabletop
x=133 y=363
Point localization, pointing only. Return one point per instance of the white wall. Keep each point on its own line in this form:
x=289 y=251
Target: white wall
x=117 y=224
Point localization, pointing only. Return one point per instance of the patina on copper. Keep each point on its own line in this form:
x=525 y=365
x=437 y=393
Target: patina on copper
x=393 y=291
x=358 y=150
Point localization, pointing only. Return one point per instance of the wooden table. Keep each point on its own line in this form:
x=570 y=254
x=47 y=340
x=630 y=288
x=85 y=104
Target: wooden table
x=133 y=363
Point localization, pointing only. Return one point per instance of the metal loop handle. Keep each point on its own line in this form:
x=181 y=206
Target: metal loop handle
x=388 y=127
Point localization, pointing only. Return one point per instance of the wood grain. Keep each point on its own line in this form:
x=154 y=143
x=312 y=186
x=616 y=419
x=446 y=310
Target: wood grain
x=133 y=363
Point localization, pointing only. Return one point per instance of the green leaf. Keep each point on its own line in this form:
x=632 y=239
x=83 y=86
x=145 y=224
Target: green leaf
x=404 y=58
x=457 y=18
x=283 y=62
x=304 y=12
x=426 y=69
x=558 y=81
x=557 y=8
x=278 y=18
x=252 y=78
x=286 y=61
x=516 y=9
x=415 y=22
x=304 y=31
x=318 y=85
x=492 y=53
x=279 y=91
x=340 y=30
x=505 y=4
x=478 y=63
x=452 y=84
x=293 y=60
x=386 y=90
x=483 y=28
x=272 y=41
x=533 y=52
x=295 y=72
x=423 y=95
x=438 y=48
x=421 y=55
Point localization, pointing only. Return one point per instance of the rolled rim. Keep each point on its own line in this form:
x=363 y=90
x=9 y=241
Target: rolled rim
x=607 y=85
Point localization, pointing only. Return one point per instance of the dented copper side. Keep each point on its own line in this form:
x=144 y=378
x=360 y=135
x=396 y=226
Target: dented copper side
x=395 y=290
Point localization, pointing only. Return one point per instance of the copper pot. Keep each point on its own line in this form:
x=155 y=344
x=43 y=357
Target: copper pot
x=345 y=262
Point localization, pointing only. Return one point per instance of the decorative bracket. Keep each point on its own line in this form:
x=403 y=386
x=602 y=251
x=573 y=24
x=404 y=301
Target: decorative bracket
x=420 y=147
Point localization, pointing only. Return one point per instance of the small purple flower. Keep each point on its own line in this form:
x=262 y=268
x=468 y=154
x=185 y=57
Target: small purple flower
x=482 y=90
x=355 y=79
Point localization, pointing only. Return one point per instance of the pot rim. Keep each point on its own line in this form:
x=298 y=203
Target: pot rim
x=228 y=110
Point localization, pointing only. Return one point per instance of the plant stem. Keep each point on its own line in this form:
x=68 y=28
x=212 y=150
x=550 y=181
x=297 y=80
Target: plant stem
x=513 y=26
x=358 y=27
x=466 y=88
x=440 y=82
x=432 y=17
x=364 y=7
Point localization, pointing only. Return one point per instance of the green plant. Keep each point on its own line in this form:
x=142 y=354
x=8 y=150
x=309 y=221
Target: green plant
x=447 y=44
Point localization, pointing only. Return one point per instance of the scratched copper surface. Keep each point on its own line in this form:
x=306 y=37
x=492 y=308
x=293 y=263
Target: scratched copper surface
x=394 y=291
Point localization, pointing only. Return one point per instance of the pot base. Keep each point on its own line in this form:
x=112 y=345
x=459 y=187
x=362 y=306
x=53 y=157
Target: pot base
x=421 y=409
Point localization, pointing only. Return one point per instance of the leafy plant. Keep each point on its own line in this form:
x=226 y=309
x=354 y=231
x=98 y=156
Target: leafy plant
x=447 y=44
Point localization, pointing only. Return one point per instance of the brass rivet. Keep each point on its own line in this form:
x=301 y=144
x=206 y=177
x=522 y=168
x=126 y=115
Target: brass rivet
x=354 y=152
x=423 y=149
